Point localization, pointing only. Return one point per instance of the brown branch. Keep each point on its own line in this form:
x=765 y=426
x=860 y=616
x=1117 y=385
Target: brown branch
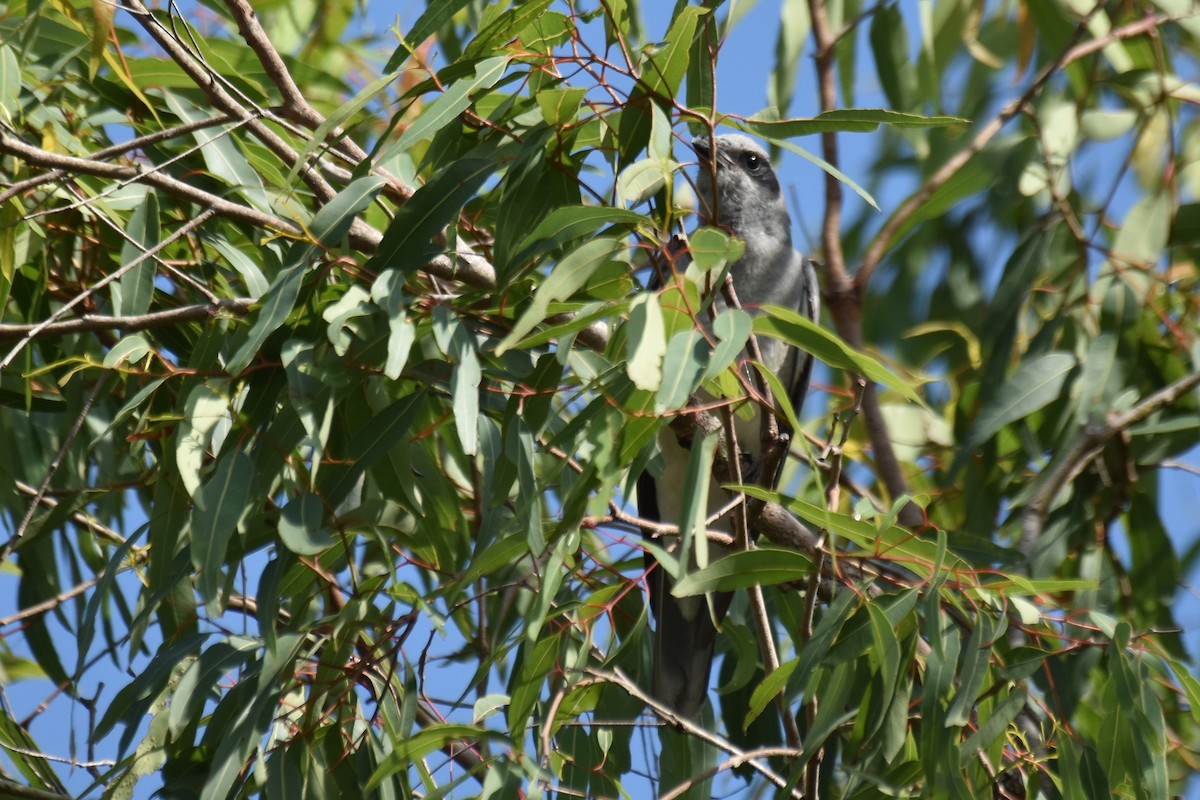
x=294 y=103
x=732 y=763
x=83 y=520
x=831 y=228
x=882 y=240
x=295 y=106
x=10 y=789
x=211 y=84
x=845 y=296
x=36 y=330
x=619 y=678
x=172 y=186
x=115 y=150
x=1086 y=447
x=136 y=322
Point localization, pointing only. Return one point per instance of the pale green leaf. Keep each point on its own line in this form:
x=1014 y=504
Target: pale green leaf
x=683 y=368
x=645 y=342
x=568 y=276
x=277 y=305
x=10 y=84
x=791 y=326
x=712 y=248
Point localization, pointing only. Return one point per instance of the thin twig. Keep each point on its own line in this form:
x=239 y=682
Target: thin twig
x=619 y=678
x=883 y=240
x=55 y=463
x=1086 y=447
x=33 y=332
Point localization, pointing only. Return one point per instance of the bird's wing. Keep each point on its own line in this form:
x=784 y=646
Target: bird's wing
x=799 y=363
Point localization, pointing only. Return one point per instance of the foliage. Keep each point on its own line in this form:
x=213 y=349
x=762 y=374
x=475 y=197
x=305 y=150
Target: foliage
x=325 y=387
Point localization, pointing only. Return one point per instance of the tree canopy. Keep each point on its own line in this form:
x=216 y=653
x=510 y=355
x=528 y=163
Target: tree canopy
x=327 y=372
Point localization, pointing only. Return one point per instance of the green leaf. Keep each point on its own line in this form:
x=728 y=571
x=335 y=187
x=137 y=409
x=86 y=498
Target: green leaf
x=763 y=566
x=340 y=117
x=712 y=248
x=277 y=305
x=455 y=100
x=222 y=156
x=373 y=440
x=973 y=669
x=570 y=222
x=779 y=394
x=464 y=388
x=893 y=61
x=645 y=342
x=884 y=654
x=759 y=128
x=560 y=105
x=499 y=28
x=301 y=527
x=692 y=528
x=220 y=505
x=333 y=221
x=1037 y=382
x=732 y=328
x=134 y=292
x=430 y=22
x=10 y=85
x=794 y=328
x=1143 y=236
x=408 y=240
x=643 y=179
x=534 y=663
x=388 y=293
x=199 y=681
x=794 y=26
x=665 y=67
x=683 y=369
x=568 y=276
x=132 y=348
x=841 y=120
x=768 y=689
x=992 y=729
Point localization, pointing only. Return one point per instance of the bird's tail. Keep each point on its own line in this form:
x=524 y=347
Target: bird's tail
x=684 y=642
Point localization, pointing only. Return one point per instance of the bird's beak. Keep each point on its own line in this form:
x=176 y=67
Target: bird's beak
x=703 y=148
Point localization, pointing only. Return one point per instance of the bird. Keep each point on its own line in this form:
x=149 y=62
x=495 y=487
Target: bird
x=747 y=201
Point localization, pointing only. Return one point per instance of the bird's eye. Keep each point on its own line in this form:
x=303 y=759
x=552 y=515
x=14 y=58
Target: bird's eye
x=753 y=163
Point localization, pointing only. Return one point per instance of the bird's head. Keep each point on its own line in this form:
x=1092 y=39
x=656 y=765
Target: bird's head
x=748 y=197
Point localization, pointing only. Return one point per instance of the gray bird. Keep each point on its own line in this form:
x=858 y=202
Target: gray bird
x=749 y=203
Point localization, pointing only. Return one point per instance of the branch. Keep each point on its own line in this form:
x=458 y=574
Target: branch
x=619 y=678
x=1087 y=446
x=137 y=322
x=844 y=295
x=172 y=186
x=210 y=83
x=115 y=150
x=732 y=763
x=295 y=106
x=35 y=330
x=882 y=241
